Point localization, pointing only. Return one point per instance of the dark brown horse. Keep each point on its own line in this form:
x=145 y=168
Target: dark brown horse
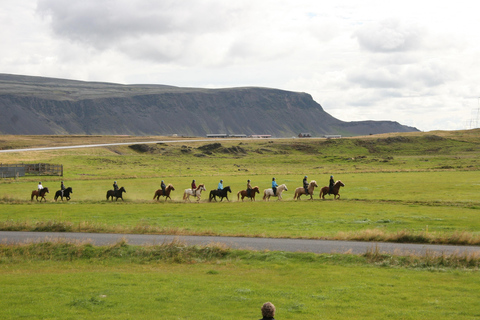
x=117 y=194
x=219 y=193
x=40 y=194
x=244 y=194
x=65 y=193
x=159 y=193
x=335 y=191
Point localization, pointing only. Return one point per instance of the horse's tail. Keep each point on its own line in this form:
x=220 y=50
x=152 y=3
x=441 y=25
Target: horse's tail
x=107 y=195
x=264 y=194
x=210 y=196
x=155 y=195
x=296 y=196
x=184 y=195
x=238 y=195
x=33 y=195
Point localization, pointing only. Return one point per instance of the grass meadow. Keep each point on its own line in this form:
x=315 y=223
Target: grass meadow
x=415 y=187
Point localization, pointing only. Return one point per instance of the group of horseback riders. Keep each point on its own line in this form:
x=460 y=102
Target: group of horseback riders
x=62 y=187
x=275 y=185
x=163 y=186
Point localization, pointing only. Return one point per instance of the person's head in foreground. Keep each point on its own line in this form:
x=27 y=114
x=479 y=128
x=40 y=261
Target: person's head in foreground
x=268 y=310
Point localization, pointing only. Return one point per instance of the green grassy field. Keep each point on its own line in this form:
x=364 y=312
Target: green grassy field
x=58 y=281
x=412 y=187
x=421 y=187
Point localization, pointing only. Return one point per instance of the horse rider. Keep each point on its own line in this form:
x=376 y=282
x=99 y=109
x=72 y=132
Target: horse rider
x=40 y=187
x=220 y=185
x=115 y=186
x=249 y=188
x=331 y=184
x=274 y=186
x=305 y=184
x=194 y=188
x=163 y=186
x=62 y=187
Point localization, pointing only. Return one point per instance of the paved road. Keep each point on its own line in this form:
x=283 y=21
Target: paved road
x=292 y=245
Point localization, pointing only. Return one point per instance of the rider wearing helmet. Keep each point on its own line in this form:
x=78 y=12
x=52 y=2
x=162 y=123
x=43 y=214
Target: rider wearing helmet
x=62 y=187
x=305 y=184
x=220 y=185
x=115 y=186
x=331 y=184
x=163 y=186
x=274 y=186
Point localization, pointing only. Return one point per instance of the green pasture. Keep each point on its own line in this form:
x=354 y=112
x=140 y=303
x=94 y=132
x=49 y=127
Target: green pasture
x=405 y=183
x=61 y=282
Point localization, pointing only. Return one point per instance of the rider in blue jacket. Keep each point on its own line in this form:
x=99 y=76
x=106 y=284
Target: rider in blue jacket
x=274 y=186
x=220 y=185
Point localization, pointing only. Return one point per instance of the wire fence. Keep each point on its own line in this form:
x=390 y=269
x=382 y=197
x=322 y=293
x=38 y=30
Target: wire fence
x=16 y=170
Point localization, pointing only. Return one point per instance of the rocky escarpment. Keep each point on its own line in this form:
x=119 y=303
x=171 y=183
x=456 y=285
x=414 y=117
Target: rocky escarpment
x=35 y=105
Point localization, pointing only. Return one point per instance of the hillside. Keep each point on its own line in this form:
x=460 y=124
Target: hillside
x=37 y=105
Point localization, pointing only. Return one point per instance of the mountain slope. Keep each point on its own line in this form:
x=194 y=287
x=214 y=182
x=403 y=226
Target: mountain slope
x=37 y=105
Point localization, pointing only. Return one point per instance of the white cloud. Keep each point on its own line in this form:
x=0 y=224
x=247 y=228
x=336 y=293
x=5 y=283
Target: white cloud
x=412 y=62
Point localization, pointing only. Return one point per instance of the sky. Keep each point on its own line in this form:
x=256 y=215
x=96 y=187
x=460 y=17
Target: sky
x=414 y=62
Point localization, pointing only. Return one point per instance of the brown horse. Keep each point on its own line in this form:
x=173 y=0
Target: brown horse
x=301 y=190
x=243 y=193
x=335 y=191
x=159 y=192
x=40 y=194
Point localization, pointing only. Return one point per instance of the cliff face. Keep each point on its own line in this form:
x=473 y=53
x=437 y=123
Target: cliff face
x=34 y=105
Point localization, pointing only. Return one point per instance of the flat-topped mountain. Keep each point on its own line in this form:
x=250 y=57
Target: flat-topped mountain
x=38 y=105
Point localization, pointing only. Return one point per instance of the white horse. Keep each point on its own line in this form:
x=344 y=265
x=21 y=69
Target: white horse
x=197 y=193
x=267 y=193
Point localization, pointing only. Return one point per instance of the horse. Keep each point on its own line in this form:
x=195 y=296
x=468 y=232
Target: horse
x=159 y=192
x=267 y=193
x=301 y=190
x=197 y=193
x=66 y=194
x=40 y=194
x=219 y=193
x=335 y=191
x=117 y=194
x=244 y=194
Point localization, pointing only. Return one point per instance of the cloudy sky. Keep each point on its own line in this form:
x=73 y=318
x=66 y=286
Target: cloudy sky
x=415 y=62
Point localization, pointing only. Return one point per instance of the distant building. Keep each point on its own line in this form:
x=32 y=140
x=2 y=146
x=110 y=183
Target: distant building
x=264 y=136
x=224 y=135
x=304 y=135
x=216 y=135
